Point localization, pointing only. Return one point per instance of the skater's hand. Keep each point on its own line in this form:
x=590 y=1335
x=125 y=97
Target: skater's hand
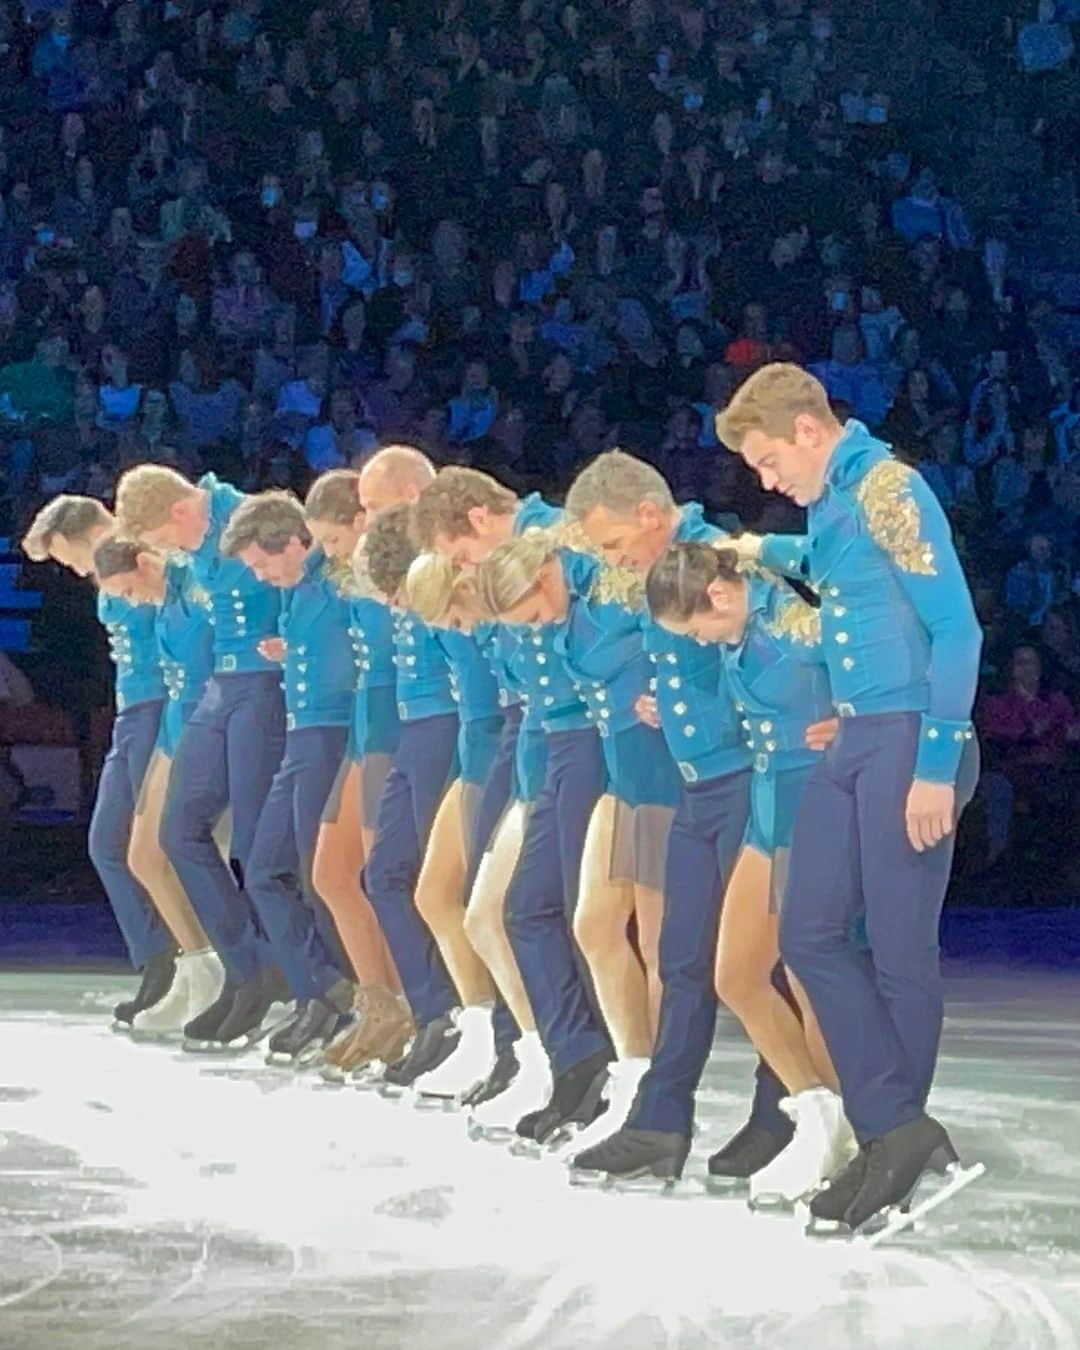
x=930 y=813
x=820 y=735
x=272 y=649
x=745 y=546
x=645 y=707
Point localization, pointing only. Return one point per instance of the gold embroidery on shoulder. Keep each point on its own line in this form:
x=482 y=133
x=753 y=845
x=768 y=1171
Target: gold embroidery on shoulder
x=797 y=621
x=618 y=586
x=893 y=517
x=568 y=533
x=199 y=596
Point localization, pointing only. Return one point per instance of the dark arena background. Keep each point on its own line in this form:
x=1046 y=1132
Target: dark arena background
x=263 y=238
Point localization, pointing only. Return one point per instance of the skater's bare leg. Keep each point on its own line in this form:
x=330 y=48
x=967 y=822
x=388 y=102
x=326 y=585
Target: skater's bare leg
x=815 y=1041
x=649 y=911
x=747 y=952
x=484 y=923
x=600 y=926
x=339 y=860
x=440 y=901
x=150 y=866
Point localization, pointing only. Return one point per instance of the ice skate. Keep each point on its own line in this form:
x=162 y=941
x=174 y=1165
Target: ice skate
x=241 y=1026
x=432 y=1045
x=498 y=1080
x=576 y=1100
x=898 y=1165
x=303 y=1036
x=822 y=1145
x=157 y=979
x=465 y=1069
x=828 y=1207
x=201 y=1032
x=381 y=1029
x=751 y=1149
x=200 y=977
x=497 y=1117
x=619 y=1093
x=632 y=1160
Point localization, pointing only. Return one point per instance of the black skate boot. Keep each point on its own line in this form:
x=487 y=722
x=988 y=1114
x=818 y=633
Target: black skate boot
x=828 y=1207
x=576 y=1099
x=305 y=1033
x=201 y=1032
x=747 y=1152
x=239 y=1028
x=895 y=1164
x=633 y=1160
x=157 y=977
x=497 y=1081
x=431 y=1045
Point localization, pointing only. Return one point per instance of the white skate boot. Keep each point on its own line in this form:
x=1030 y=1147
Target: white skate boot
x=528 y=1091
x=469 y=1065
x=823 y=1145
x=198 y=981
x=622 y=1085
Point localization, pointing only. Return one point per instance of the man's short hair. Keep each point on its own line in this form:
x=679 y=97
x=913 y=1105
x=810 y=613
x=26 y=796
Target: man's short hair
x=115 y=556
x=145 y=496
x=67 y=516
x=769 y=401
x=620 y=483
x=444 y=507
x=333 y=497
x=269 y=520
x=388 y=549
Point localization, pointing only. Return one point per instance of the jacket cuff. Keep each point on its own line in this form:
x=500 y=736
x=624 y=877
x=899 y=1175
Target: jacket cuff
x=783 y=553
x=941 y=746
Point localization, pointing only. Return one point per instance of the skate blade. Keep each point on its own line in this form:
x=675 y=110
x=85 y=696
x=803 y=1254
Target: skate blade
x=160 y=1037
x=728 y=1188
x=658 y=1186
x=771 y=1203
x=526 y=1148
x=435 y=1102
x=898 y=1220
x=120 y=1028
x=588 y=1180
x=215 y=1048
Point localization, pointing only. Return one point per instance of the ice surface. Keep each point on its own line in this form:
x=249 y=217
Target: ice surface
x=152 y=1199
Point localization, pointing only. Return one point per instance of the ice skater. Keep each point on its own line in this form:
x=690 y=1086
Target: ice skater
x=878 y=816
x=185 y=641
x=531 y=581
x=230 y=748
x=771 y=645
x=520 y=1078
x=625 y=509
x=336 y=522
x=67 y=531
x=465 y=516
x=269 y=534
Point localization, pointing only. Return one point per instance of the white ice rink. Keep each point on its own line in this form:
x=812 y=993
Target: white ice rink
x=150 y=1199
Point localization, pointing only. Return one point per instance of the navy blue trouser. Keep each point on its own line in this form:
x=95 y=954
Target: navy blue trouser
x=423 y=766
x=134 y=736
x=496 y=797
x=542 y=898
x=226 y=757
x=881 y=1009
x=298 y=925
x=706 y=835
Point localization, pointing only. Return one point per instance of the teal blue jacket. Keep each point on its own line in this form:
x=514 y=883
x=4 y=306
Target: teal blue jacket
x=244 y=610
x=133 y=648
x=899 y=629
x=319 y=671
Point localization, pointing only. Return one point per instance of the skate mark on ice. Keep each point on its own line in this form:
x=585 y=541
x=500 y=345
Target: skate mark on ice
x=43 y=1281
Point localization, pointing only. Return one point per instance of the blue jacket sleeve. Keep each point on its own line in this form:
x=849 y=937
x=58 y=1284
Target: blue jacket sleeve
x=906 y=521
x=786 y=554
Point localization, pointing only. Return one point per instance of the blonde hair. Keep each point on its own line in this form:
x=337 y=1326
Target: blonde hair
x=145 y=496
x=443 y=508
x=431 y=586
x=66 y=516
x=769 y=401
x=513 y=570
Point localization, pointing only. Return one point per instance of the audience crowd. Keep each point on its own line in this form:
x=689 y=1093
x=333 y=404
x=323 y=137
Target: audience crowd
x=262 y=237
